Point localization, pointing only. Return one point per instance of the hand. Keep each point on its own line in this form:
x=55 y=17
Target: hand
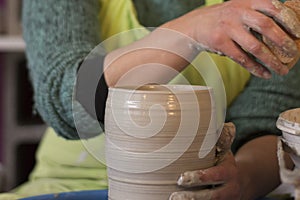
x=224 y=175
x=228 y=28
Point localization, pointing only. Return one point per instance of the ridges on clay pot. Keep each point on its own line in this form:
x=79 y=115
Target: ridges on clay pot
x=289 y=123
x=153 y=134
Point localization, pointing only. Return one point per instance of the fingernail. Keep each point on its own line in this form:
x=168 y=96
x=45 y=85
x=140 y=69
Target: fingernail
x=284 y=70
x=290 y=47
x=190 y=178
x=267 y=75
x=184 y=195
x=178 y=196
x=290 y=20
x=261 y=72
x=180 y=180
x=279 y=67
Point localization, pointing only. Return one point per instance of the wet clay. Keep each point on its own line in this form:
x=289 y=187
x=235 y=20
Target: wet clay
x=288 y=176
x=289 y=122
x=193 y=178
x=190 y=179
x=286 y=14
x=225 y=141
x=295 y=6
x=187 y=195
x=145 y=160
x=292 y=115
x=223 y=146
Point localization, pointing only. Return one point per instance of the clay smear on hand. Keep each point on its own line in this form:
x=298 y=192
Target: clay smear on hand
x=295 y=6
x=194 y=178
x=284 y=57
x=188 y=195
x=225 y=141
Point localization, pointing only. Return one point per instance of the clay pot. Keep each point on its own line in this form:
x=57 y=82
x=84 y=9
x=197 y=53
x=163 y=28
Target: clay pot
x=289 y=123
x=153 y=134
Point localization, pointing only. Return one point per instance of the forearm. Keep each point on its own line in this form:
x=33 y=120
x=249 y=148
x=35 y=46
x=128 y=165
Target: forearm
x=258 y=166
x=216 y=28
x=254 y=113
x=58 y=35
x=156 y=58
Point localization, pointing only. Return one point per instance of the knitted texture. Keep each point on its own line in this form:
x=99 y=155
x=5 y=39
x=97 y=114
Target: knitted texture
x=256 y=110
x=59 y=35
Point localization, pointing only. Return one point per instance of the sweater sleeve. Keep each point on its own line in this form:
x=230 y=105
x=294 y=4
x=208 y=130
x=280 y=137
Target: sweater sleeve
x=256 y=110
x=59 y=34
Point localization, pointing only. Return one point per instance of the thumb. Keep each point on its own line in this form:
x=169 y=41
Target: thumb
x=225 y=141
x=216 y=175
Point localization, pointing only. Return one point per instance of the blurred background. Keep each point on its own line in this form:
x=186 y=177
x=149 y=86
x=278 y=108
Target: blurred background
x=20 y=128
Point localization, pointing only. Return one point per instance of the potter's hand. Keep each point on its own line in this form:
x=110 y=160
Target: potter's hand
x=228 y=29
x=224 y=174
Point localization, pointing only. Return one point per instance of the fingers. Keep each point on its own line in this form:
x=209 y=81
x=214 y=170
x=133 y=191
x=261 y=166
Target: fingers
x=215 y=175
x=241 y=46
x=236 y=53
x=224 y=192
x=198 y=178
x=281 y=14
x=258 y=49
x=226 y=138
x=261 y=16
x=269 y=29
x=192 y=195
x=279 y=25
x=223 y=179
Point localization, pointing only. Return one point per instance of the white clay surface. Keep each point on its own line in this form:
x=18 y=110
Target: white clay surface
x=153 y=134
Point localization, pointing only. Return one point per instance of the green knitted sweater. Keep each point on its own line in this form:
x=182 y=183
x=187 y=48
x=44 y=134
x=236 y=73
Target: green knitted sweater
x=60 y=34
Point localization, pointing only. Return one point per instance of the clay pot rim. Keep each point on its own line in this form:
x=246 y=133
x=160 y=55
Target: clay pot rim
x=286 y=125
x=178 y=89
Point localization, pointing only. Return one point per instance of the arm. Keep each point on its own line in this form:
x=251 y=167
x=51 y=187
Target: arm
x=58 y=35
x=253 y=171
x=255 y=113
x=223 y=28
x=257 y=164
